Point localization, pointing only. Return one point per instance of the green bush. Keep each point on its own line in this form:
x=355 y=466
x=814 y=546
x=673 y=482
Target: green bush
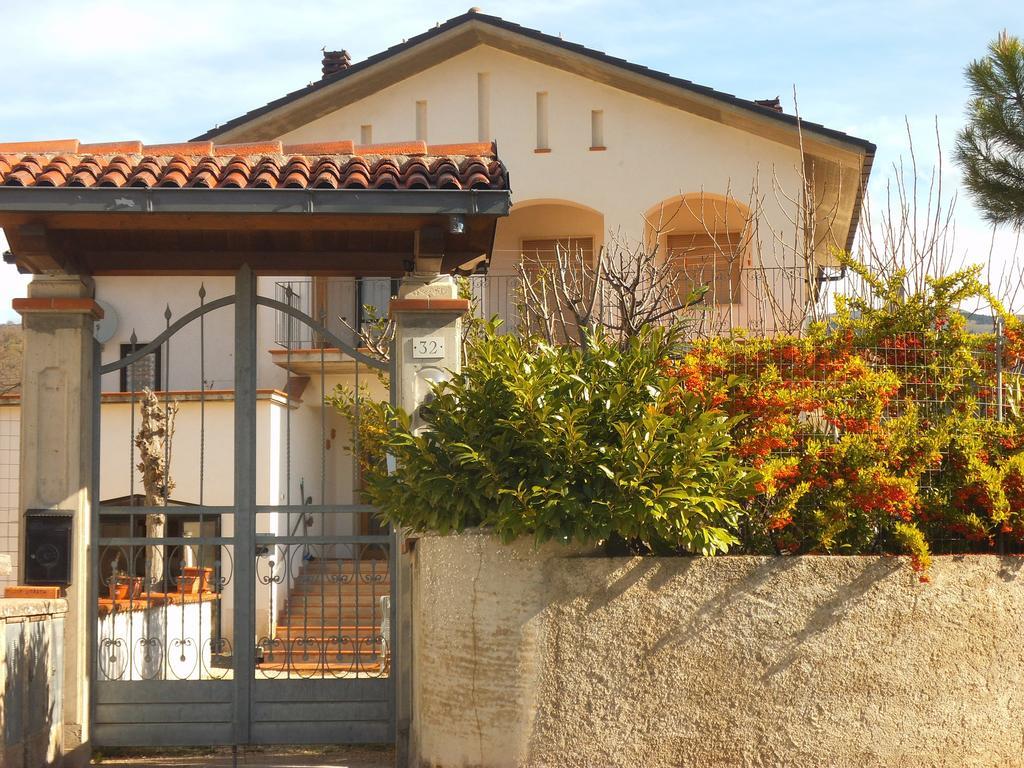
x=559 y=443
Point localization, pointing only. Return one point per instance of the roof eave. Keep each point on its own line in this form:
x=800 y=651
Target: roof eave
x=289 y=202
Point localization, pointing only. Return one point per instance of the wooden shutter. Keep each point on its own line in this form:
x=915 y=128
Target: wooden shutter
x=541 y=253
x=711 y=260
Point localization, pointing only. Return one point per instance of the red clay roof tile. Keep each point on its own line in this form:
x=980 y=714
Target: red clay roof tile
x=57 y=145
x=393 y=148
x=318 y=165
x=475 y=148
x=321 y=148
x=249 y=148
x=111 y=148
x=184 y=148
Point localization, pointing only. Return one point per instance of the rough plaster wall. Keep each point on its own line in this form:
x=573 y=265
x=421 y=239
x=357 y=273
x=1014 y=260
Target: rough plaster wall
x=735 y=661
x=476 y=649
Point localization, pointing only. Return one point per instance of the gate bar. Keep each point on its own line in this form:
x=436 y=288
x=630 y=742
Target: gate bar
x=245 y=497
x=92 y=615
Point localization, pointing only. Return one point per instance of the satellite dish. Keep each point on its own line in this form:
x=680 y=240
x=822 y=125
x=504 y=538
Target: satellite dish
x=104 y=330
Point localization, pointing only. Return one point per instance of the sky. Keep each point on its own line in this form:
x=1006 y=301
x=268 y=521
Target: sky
x=103 y=70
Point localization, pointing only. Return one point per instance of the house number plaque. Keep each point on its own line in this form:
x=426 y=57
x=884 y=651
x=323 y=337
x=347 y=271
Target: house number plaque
x=427 y=347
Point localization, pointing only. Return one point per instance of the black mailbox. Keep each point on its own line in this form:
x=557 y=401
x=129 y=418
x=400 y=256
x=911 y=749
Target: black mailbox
x=47 y=547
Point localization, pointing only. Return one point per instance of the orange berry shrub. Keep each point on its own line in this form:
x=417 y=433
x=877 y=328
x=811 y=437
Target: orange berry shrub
x=875 y=432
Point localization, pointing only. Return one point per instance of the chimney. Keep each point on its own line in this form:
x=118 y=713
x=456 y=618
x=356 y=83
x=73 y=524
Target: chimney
x=334 y=62
x=773 y=104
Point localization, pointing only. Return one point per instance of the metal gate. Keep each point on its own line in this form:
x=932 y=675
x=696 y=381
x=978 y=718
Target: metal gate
x=227 y=618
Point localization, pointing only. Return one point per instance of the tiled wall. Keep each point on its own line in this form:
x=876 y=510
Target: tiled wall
x=9 y=434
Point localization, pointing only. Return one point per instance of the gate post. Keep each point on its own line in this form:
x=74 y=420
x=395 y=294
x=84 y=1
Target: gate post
x=57 y=408
x=428 y=344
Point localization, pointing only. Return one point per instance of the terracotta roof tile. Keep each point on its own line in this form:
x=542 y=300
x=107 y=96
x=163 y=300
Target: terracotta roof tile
x=266 y=165
x=476 y=148
x=111 y=148
x=58 y=145
x=184 y=148
x=321 y=148
x=249 y=148
x=394 y=148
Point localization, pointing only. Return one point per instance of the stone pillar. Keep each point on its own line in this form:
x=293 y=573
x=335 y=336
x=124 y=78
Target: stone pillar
x=57 y=391
x=428 y=345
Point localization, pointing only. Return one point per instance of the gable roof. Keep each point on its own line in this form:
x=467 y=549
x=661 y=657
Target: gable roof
x=483 y=21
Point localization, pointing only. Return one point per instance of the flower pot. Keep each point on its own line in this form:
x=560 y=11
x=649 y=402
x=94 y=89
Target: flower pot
x=126 y=588
x=194 y=581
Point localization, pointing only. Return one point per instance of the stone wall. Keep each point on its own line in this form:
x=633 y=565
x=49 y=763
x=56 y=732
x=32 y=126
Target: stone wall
x=529 y=657
x=31 y=679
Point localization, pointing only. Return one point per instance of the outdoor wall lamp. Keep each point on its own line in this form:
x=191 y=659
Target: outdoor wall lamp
x=456 y=224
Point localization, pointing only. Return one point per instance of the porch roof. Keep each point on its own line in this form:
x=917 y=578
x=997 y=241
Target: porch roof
x=197 y=207
x=262 y=165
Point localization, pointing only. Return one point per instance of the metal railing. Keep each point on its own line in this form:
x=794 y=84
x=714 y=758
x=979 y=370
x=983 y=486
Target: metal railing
x=760 y=300
x=340 y=303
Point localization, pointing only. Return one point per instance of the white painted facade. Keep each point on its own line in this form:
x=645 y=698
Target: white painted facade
x=10 y=430
x=607 y=158
x=653 y=152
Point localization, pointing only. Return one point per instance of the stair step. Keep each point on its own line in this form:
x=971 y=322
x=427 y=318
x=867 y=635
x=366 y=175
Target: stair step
x=318 y=634
x=359 y=645
x=363 y=596
x=346 y=564
x=365 y=608
x=310 y=653
x=329 y=620
x=367 y=666
x=310 y=586
x=303 y=623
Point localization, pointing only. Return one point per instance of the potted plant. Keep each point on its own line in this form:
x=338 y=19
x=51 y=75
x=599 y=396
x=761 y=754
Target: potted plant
x=194 y=580
x=125 y=587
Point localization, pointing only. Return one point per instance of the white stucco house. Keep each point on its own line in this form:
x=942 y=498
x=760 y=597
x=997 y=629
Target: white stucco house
x=596 y=148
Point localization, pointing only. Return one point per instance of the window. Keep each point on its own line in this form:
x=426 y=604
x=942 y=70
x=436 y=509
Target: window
x=711 y=260
x=483 y=106
x=421 y=121
x=366 y=134
x=542 y=122
x=541 y=253
x=143 y=373
x=374 y=298
x=597 y=129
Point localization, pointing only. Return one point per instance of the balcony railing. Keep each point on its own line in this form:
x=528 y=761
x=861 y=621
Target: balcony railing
x=761 y=300
x=341 y=304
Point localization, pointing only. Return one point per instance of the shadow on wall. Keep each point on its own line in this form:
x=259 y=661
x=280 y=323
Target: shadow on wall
x=32 y=678
x=733 y=588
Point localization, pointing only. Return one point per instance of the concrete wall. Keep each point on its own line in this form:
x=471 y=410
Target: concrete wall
x=31 y=679
x=9 y=470
x=526 y=658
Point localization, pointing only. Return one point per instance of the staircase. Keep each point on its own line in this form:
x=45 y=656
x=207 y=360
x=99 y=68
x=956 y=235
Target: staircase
x=334 y=621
